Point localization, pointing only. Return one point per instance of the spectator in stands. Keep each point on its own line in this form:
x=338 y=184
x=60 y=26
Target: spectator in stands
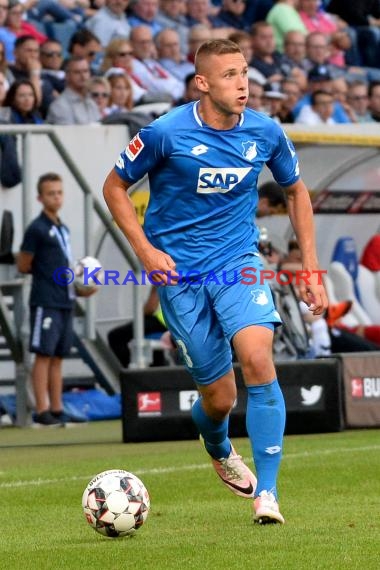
x=198 y=12
x=100 y=89
x=85 y=44
x=374 y=100
x=273 y=98
x=244 y=41
x=266 y=59
x=255 y=95
x=7 y=37
x=118 y=56
x=295 y=49
x=284 y=18
x=339 y=91
x=231 y=15
x=291 y=89
x=20 y=27
x=169 y=54
x=191 y=90
x=120 y=337
x=172 y=15
x=318 y=53
x=317 y=20
x=51 y=58
x=358 y=100
x=120 y=97
x=75 y=105
x=197 y=35
x=320 y=111
x=147 y=71
x=272 y=200
x=144 y=13
x=364 y=16
x=319 y=79
x=110 y=21
x=22 y=102
x=27 y=65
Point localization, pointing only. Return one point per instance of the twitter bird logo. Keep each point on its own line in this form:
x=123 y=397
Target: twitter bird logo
x=310 y=396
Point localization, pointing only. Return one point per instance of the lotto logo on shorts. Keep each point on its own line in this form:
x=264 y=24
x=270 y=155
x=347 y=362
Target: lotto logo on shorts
x=149 y=403
x=134 y=148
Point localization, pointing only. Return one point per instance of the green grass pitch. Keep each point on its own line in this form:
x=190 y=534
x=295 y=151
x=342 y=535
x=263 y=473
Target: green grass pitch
x=329 y=495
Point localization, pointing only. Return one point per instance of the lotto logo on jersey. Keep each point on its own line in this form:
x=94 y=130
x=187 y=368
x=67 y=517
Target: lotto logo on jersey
x=220 y=180
x=134 y=148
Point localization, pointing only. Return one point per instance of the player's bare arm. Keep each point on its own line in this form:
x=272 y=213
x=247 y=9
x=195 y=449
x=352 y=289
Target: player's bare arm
x=301 y=217
x=124 y=214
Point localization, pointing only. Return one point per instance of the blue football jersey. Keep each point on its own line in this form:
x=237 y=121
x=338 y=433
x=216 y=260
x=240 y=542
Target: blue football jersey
x=203 y=183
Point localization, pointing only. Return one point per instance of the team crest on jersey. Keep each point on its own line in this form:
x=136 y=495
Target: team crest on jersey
x=134 y=148
x=220 y=180
x=249 y=150
x=259 y=297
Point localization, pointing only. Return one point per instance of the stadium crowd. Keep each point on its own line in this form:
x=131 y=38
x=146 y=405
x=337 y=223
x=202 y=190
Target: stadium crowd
x=86 y=61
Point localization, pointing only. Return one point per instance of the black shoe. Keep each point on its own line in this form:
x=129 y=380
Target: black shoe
x=47 y=419
x=65 y=418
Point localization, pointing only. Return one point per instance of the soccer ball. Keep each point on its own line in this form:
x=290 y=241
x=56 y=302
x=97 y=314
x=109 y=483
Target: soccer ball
x=83 y=281
x=115 y=503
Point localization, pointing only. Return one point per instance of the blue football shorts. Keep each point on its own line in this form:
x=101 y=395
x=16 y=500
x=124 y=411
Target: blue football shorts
x=203 y=315
x=51 y=331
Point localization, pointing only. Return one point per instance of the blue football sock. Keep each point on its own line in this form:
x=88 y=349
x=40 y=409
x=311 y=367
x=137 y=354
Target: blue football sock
x=265 y=426
x=214 y=433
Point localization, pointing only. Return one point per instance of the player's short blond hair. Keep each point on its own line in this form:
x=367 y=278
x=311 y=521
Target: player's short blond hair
x=214 y=47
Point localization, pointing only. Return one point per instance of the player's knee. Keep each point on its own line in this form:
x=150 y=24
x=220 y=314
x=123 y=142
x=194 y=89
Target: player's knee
x=257 y=367
x=219 y=404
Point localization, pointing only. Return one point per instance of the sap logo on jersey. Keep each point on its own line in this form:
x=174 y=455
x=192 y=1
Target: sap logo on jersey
x=220 y=180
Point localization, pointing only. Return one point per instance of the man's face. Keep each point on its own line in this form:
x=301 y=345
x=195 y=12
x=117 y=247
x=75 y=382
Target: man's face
x=142 y=43
x=51 y=55
x=226 y=82
x=358 y=99
x=236 y=7
x=77 y=75
x=317 y=49
x=197 y=9
x=146 y=9
x=263 y=42
x=255 y=96
x=29 y=50
x=169 y=45
x=173 y=8
x=295 y=46
x=324 y=105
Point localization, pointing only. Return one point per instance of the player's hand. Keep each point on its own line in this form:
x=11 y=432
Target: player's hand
x=313 y=293
x=160 y=268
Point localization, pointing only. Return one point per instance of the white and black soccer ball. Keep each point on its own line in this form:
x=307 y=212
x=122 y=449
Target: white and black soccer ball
x=116 y=503
x=84 y=270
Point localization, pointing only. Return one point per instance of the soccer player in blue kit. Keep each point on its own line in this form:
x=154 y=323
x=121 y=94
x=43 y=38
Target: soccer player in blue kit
x=203 y=160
